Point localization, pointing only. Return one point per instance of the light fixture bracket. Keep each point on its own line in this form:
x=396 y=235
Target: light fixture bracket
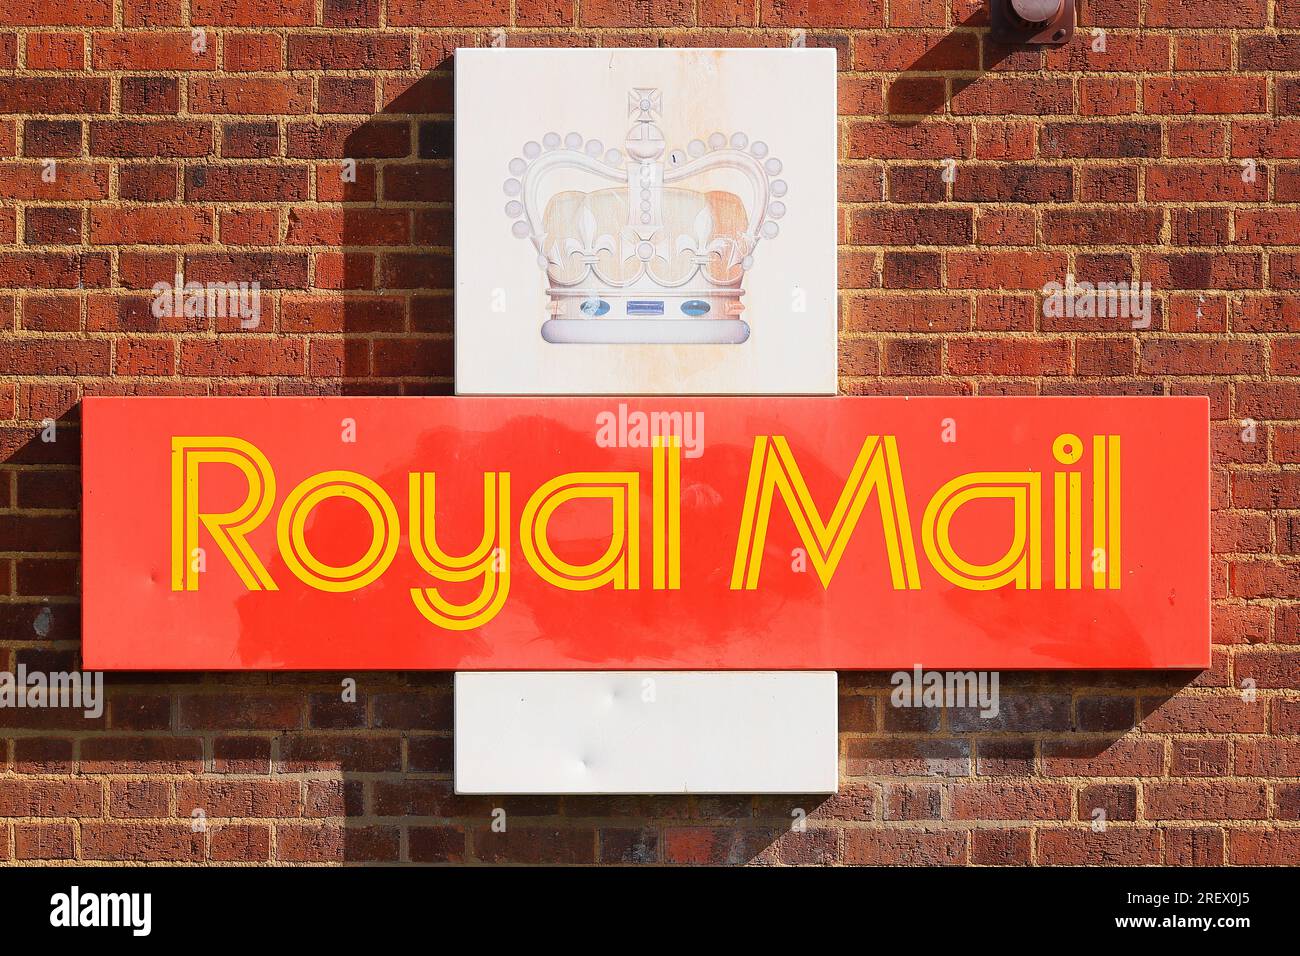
x=1032 y=22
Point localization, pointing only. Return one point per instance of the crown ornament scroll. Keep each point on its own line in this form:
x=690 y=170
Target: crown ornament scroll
x=641 y=244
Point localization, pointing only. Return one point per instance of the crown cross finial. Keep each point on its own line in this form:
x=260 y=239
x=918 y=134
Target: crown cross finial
x=645 y=102
x=645 y=142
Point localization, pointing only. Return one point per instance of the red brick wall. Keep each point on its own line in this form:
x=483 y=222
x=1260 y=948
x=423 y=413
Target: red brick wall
x=1112 y=164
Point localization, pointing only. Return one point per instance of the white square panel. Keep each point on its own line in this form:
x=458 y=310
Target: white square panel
x=646 y=221
x=646 y=732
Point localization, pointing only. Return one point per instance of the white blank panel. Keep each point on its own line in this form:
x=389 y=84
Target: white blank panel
x=646 y=732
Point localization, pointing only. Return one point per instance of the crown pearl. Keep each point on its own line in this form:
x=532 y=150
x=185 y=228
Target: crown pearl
x=532 y=149
x=551 y=140
x=512 y=187
x=595 y=147
x=778 y=187
x=739 y=140
x=517 y=166
x=717 y=141
x=696 y=148
x=759 y=149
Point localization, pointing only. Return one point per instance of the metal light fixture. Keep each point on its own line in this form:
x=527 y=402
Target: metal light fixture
x=1032 y=21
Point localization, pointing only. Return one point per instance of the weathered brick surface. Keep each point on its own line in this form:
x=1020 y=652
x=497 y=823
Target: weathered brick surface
x=209 y=137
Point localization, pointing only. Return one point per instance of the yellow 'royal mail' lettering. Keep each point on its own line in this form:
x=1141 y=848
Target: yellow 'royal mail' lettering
x=1020 y=565
x=229 y=529
x=773 y=470
x=620 y=565
x=291 y=528
x=489 y=560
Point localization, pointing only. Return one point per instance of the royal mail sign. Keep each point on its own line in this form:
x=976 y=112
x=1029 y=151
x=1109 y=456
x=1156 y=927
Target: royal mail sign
x=513 y=534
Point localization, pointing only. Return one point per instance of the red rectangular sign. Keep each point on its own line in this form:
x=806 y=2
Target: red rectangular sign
x=606 y=533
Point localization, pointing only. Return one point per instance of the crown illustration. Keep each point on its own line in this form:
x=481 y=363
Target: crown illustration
x=648 y=259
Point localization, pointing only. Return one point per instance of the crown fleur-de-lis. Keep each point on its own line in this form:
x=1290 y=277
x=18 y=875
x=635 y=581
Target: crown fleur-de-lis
x=591 y=245
x=698 y=245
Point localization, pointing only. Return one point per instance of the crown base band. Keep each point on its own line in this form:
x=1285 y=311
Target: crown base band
x=645 y=331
